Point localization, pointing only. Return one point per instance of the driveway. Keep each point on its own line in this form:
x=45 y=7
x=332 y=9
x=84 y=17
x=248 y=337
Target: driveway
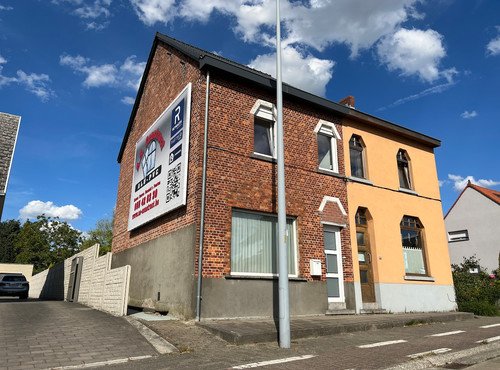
x=46 y=334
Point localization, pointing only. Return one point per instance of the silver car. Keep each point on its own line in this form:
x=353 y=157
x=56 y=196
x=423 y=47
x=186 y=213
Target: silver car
x=14 y=285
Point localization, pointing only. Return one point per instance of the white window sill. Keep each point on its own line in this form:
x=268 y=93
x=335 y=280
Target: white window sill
x=263 y=157
x=408 y=191
x=419 y=278
x=330 y=172
x=360 y=180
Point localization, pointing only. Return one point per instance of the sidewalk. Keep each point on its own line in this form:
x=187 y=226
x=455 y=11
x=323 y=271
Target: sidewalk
x=244 y=331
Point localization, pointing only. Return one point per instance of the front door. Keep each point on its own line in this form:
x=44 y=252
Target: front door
x=333 y=255
x=365 y=264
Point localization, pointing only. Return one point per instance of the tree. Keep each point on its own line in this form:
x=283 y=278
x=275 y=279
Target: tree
x=102 y=234
x=8 y=232
x=45 y=242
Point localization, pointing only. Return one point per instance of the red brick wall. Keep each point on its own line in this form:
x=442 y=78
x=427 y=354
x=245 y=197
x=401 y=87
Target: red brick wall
x=236 y=180
x=170 y=72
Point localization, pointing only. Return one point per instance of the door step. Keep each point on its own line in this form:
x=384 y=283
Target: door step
x=372 y=311
x=340 y=312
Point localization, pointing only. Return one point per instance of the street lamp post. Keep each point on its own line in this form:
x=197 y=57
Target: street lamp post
x=284 y=304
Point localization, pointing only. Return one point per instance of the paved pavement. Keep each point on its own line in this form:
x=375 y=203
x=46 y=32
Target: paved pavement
x=47 y=334
x=258 y=331
x=360 y=350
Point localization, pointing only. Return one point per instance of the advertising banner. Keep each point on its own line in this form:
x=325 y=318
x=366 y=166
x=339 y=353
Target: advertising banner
x=159 y=182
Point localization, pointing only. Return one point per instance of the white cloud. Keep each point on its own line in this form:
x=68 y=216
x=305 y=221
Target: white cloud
x=303 y=71
x=460 y=182
x=413 y=52
x=95 y=10
x=438 y=89
x=356 y=23
x=36 y=208
x=468 y=115
x=493 y=47
x=92 y=12
x=4 y=8
x=128 y=100
x=317 y=24
x=37 y=84
x=153 y=11
x=125 y=75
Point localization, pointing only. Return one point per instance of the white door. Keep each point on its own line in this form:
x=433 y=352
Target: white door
x=334 y=275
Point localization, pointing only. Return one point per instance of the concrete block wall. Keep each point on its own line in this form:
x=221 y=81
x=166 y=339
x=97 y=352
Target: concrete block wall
x=101 y=287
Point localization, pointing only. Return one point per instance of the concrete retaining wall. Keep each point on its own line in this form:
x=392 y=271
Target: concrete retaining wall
x=162 y=274
x=101 y=287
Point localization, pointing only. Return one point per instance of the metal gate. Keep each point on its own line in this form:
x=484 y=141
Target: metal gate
x=74 y=279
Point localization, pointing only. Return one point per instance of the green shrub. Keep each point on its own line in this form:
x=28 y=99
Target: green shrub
x=475 y=292
x=480 y=308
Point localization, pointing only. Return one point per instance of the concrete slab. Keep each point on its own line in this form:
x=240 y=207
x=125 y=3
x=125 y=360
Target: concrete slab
x=239 y=331
x=146 y=316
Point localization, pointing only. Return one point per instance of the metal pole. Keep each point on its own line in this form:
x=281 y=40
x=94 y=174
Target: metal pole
x=202 y=216
x=284 y=304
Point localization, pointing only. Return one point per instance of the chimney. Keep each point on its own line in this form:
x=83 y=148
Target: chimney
x=348 y=100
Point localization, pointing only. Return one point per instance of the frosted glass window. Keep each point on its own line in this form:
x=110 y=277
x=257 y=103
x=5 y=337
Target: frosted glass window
x=253 y=244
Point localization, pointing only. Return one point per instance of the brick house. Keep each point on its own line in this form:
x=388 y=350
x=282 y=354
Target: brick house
x=184 y=90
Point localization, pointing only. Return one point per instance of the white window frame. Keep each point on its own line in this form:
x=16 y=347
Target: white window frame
x=266 y=111
x=458 y=236
x=328 y=129
x=295 y=244
x=338 y=252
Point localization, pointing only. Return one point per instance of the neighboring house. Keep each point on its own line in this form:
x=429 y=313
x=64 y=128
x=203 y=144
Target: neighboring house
x=159 y=209
x=397 y=233
x=9 y=129
x=473 y=226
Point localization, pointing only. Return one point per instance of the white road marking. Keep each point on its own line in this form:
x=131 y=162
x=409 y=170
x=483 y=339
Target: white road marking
x=380 y=344
x=102 y=363
x=489 y=340
x=428 y=353
x=489 y=326
x=273 y=362
x=447 y=333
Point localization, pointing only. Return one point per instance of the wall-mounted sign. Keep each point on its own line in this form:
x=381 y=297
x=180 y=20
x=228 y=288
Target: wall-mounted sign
x=159 y=183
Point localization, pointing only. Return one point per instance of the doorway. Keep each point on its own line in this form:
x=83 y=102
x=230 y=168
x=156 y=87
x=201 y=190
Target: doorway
x=334 y=272
x=365 y=258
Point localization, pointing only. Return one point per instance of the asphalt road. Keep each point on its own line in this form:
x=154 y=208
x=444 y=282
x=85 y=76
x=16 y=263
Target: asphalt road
x=361 y=350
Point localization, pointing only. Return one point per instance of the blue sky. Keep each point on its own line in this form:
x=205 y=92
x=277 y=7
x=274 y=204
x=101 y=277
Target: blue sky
x=70 y=68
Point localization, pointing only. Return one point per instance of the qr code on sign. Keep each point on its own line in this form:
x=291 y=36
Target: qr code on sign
x=173 y=183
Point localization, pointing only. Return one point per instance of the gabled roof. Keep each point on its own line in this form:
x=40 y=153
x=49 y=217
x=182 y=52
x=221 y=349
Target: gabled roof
x=491 y=194
x=488 y=193
x=208 y=60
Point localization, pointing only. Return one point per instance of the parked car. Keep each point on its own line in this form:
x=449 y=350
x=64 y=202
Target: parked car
x=14 y=285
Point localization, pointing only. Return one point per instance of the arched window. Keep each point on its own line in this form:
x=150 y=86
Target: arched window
x=327 y=136
x=404 y=169
x=356 y=154
x=413 y=246
x=264 y=129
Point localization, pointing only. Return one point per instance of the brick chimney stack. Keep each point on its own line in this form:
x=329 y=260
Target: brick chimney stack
x=348 y=100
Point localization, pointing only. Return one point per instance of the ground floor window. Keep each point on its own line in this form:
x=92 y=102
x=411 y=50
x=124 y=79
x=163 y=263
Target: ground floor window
x=413 y=246
x=253 y=244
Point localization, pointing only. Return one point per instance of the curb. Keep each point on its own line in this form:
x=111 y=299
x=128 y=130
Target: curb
x=266 y=331
x=160 y=344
